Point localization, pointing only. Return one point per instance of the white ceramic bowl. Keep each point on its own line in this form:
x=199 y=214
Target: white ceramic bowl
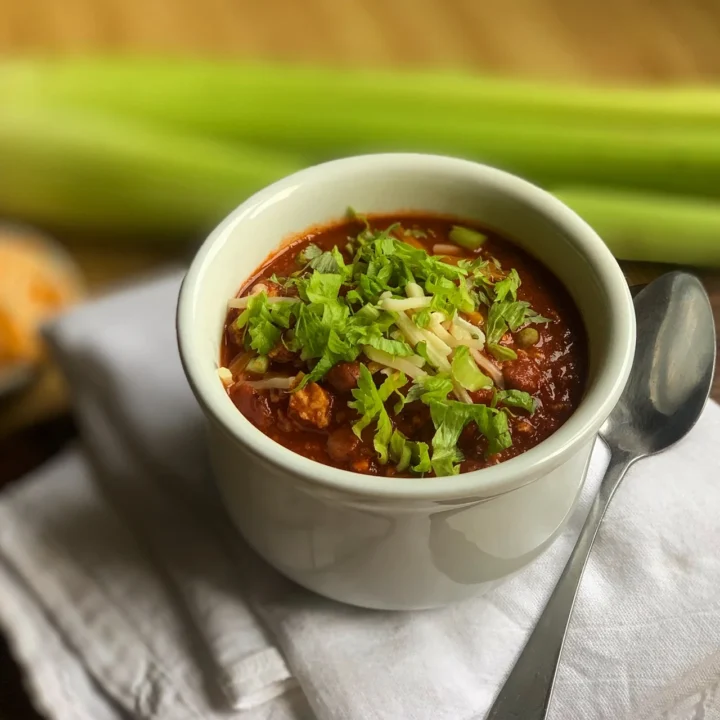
x=399 y=543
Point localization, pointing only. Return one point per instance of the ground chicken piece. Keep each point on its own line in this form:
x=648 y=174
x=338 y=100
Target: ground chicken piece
x=344 y=376
x=311 y=405
x=522 y=374
x=342 y=443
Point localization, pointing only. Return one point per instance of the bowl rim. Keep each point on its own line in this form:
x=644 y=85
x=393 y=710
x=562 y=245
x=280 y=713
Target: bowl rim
x=580 y=428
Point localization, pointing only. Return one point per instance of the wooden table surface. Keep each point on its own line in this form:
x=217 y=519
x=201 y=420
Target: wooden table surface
x=626 y=41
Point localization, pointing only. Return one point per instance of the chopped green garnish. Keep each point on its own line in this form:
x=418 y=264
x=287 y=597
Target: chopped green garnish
x=282 y=314
x=516 y=398
x=467 y=238
x=466 y=373
x=326 y=263
x=397 y=348
x=420 y=458
x=501 y=352
x=353 y=297
x=497 y=432
x=507 y=286
x=408 y=453
x=321 y=288
x=342 y=307
x=449 y=297
x=369 y=401
x=422 y=351
x=422 y=318
x=532 y=317
x=400 y=451
x=450 y=417
x=449 y=421
x=386 y=264
x=509 y=315
x=367 y=312
x=262 y=334
x=501 y=316
x=311 y=252
x=330 y=261
x=258 y=365
x=431 y=388
x=480 y=297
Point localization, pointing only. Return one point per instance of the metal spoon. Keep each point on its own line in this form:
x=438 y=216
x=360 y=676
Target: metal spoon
x=669 y=384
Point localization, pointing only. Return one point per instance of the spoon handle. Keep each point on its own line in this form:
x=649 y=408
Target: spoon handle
x=527 y=691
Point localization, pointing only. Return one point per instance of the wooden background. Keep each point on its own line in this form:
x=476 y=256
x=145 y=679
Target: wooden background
x=619 y=41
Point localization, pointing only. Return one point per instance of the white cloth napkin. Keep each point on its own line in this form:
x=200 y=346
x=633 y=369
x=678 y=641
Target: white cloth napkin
x=125 y=593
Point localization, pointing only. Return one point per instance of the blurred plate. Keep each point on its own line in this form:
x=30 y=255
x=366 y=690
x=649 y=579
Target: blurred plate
x=38 y=279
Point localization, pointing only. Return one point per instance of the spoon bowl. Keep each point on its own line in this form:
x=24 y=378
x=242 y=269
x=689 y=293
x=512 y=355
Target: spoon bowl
x=672 y=371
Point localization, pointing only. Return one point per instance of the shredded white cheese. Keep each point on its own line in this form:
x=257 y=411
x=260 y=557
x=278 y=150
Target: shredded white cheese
x=462 y=394
x=402 y=304
x=432 y=339
x=413 y=290
x=402 y=364
x=474 y=330
x=409 y=329
x=242 y=303
x=276 y=383
x=436 y=349
x=465 y=338
x=444 y=249
x=415 y=360
x=437 y=327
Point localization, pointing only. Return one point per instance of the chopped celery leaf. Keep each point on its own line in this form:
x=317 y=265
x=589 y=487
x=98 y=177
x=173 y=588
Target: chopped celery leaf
x=512 y=315
x=309 y=253
x=501 y=352
x=507 y=286
x=262 y=334
x=467 y=238
x=369 y=402
x=516 y=398
x=466 y=373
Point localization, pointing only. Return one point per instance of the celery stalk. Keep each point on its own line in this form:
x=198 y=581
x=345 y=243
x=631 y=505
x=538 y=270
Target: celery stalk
x=77 y=171
x=651 y=227
x=171 y=146
x=663 y=140
x=232 y=92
